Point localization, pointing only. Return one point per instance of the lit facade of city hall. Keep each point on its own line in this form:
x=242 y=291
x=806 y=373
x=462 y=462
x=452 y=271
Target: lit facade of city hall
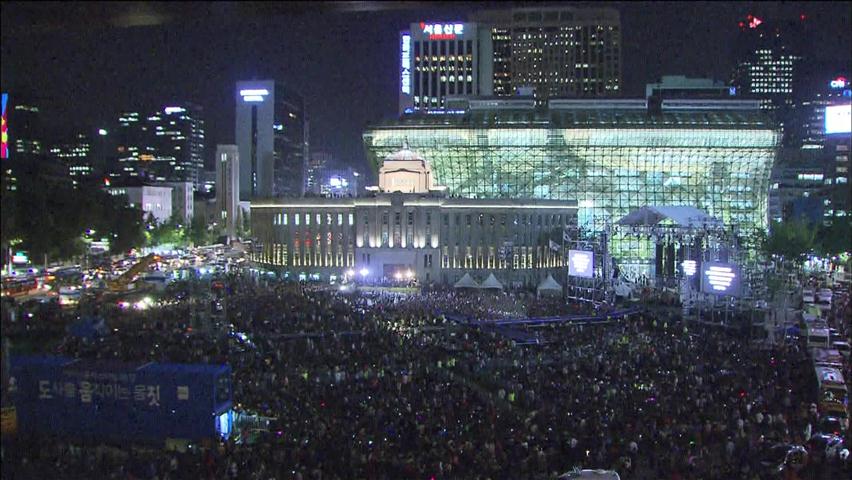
x=410 y=229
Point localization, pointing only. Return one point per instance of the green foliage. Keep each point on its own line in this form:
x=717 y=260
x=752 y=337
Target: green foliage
x=171 y=232
x=835 y=239
x=244 y=227
x=199 y=234
x=792 y=241
x=52 y=218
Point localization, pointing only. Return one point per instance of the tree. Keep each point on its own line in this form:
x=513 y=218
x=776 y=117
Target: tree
x=835 y=239
x=198 y=231
x=46 y=216
x=244 y=227
x=128 y=230
x=790 y=241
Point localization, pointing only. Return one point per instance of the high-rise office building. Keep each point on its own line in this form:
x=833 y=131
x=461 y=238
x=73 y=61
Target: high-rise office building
x=25 y=130
x=228 y=187
x=23 y=138
x=271 y=134
x=555 y=51
x=440 y=60
x=547 y=52
x=838 y=143
x=164 y=146
x=809 y=124
x=814 y=174
x=769 y=56
x=75 y=154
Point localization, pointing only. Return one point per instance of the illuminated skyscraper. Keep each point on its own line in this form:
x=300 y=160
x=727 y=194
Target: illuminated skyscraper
x=23 y=138
x=769 y=61
x=271 y=133
x=556 y=51
x=25 y=129
x=76 y=155
x=164 y=146
x=548 y=51
x=440 y=60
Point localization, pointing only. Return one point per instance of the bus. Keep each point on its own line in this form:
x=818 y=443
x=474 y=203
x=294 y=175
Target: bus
x=817 y=336
x=827 y=357
x=157 y=278
x=833 y=393
x=18 y=287
x=69 y=296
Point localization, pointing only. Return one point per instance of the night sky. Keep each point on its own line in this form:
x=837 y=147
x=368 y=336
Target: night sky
x=88 y=62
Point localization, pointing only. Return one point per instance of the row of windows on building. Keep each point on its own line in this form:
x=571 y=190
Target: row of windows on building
x=443 y=48
x=517 y=258
x=298 y=218
x=468 y=219
x=442 y=58
x=276 y=254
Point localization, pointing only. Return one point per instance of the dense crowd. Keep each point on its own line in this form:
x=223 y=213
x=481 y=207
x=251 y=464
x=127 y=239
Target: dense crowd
x=386 y=386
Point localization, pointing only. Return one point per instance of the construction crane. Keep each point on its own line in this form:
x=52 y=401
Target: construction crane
x=120 y=284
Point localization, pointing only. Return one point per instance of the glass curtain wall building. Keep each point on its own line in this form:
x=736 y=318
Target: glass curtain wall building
x=271 y=132
x=612 y=156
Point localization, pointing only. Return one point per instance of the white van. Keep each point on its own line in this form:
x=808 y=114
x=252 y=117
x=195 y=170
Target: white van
x=817 y=337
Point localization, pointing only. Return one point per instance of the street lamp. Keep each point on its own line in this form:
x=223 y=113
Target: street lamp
x=364 y=272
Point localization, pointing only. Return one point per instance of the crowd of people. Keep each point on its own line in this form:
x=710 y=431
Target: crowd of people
x=387 y=386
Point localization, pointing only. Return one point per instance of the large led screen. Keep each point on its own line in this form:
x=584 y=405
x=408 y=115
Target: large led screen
x=581 y=263
x=720 y=278
x=838 y=119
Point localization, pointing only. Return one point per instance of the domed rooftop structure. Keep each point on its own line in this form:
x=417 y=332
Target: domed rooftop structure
x=406 y=171
x=405 y=155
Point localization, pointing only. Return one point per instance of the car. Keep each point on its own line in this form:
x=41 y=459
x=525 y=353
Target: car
x=825 y=445
x=783 y=456
x=808 y=296
x=842 y=347
x=824 y=295
x=830 y=424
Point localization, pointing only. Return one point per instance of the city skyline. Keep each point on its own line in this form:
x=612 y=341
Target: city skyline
x=348 y=73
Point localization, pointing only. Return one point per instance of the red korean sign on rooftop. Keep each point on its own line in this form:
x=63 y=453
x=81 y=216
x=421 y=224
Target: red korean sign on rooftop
x=442 y=31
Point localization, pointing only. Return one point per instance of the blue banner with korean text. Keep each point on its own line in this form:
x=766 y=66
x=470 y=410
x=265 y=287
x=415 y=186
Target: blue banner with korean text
x=111 y=400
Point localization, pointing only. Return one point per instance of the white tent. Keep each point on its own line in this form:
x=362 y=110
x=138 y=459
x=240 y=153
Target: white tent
x=466 y=282
x=491 y=283
x=682 y=215
x=549 y=286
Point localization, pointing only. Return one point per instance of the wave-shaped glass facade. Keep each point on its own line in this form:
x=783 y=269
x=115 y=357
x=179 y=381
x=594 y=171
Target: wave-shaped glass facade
x=719 y=164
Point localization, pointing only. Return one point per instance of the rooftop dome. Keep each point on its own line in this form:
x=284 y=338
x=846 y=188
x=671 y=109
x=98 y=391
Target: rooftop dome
x=405 y=155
